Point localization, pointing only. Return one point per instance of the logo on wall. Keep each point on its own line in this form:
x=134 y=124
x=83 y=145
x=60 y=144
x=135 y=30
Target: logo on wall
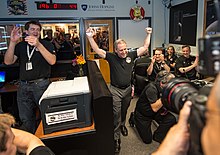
x=84 y=7
x=137 y=13
x=98 y=7
x=17 y=7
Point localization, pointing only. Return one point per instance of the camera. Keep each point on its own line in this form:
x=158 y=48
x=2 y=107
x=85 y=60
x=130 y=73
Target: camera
x=209 y=47
x=175 y=94
x=179 y=90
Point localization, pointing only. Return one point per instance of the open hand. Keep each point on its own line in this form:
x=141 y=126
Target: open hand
x=15 y=34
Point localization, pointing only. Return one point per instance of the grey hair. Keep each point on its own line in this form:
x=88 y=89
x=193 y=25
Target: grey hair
x=119 y=41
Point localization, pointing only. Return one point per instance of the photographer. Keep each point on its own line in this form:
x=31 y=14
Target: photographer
x=149 y=107
x=177 y=140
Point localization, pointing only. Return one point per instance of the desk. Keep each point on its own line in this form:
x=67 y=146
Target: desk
x=76 y=131
x=97 y=140
x=9 y=99
x=8 y=88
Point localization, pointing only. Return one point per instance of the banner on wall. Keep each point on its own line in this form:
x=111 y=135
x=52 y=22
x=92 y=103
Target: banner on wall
x=17 y=7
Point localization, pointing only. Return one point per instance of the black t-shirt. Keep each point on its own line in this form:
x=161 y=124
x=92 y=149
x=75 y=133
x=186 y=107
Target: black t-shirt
x=170 y=60
x=41 y=150
x=120 y=69
x=149 y=95
x=66 y=46
x=41 y=68
x=185 y=62
x=157 y=67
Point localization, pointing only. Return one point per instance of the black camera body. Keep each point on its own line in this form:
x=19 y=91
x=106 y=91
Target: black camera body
x=209 y=55
x=175 y=94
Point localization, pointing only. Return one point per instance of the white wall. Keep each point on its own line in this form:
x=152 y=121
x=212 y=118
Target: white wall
x=117 y=8
x=158 y=23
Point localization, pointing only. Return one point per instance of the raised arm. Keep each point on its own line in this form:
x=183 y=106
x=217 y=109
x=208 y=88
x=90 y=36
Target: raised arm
x=90 y=33
x=144 y=49
x=151 y=66
x=165 y=66
x=9 y=57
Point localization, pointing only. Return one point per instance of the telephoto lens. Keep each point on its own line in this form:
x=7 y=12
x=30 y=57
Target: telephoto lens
x=176 y=93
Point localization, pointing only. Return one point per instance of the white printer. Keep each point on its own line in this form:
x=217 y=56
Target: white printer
x=66 y=104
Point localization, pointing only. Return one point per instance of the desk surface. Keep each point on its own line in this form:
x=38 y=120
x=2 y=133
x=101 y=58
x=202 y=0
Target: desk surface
x=40 y=134
x=8 y=88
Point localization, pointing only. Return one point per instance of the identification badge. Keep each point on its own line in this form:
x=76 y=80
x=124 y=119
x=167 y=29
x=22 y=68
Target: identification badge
x=29 y=66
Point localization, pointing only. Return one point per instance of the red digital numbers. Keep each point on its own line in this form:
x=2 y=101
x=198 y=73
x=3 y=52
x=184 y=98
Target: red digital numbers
x=56 y=6
x=73 y=6
x=43 y=6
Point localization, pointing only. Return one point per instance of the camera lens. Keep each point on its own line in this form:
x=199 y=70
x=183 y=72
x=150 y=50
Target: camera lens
x=176 y=92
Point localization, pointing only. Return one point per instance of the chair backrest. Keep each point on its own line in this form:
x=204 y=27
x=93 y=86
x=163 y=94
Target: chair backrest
x=139 y=74
x=141 y=64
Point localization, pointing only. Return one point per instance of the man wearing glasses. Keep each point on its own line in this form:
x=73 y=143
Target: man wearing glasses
x=121 y=62
x=35 y=59
x=157 y=64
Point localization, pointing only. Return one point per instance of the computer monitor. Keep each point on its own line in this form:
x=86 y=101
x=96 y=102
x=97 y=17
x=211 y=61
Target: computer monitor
x=2 y=78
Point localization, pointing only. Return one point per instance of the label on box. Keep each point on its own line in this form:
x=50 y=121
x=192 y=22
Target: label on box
x=61 y=116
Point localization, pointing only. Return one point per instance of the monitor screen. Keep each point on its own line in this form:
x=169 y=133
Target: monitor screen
x=3 y=41
x=2 y=76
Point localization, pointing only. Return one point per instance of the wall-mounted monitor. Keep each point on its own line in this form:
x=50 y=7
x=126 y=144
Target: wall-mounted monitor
x=183 y=23
x=3 y=41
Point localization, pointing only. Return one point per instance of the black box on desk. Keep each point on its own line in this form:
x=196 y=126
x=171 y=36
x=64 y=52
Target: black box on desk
x=66 y=104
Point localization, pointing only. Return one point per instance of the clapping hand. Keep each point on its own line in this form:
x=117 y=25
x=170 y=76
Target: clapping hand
x=15 y=34
x=32 y=40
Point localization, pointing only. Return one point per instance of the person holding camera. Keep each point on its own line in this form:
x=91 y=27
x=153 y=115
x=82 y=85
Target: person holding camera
x=186 y=64
x=177 y=141
x=157 y=64
x=149 y=107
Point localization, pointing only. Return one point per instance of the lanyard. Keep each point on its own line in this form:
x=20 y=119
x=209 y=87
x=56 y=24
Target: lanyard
x=28 y=52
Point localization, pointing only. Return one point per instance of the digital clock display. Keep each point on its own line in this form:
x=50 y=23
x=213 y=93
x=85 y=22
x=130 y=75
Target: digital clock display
x=56 y=6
